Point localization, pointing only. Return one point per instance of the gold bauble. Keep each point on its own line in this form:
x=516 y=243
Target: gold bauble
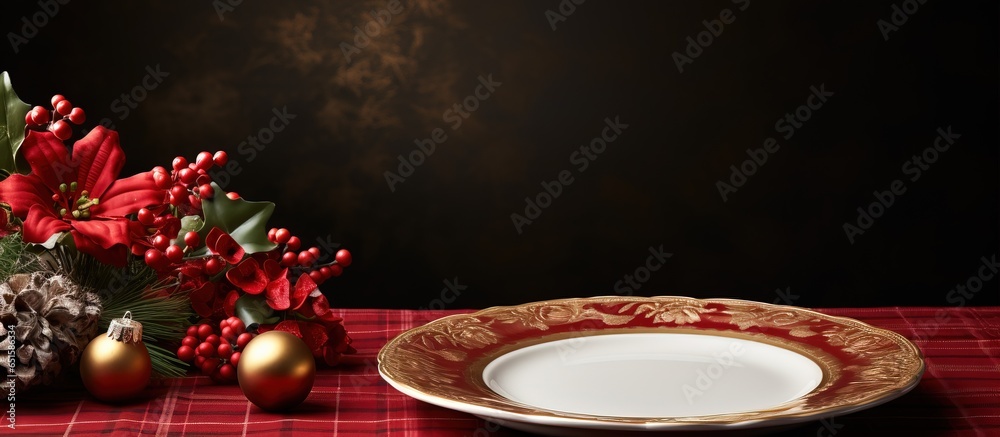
x=116 y=366
x=276 y=371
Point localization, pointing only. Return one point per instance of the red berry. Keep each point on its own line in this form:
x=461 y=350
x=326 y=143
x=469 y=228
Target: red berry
x=229 y=334
x=316 y=276
x=227 y=371
x=225 y=349
x=203 y=179
x=289 y=259
x=343 y=258
x=64 y=107
x=191 y=239
x=213 y=339
x=179 y=163
x=186 y=175
x=237 y=325
x=206 y=349
x=161 y=242
x=39 y=115
x=234 y=359
x=326 y=272
x=162 y=180
x=194 y=201
x=213 y=267
x=206 y=191
x=191 y=340
x=178 y=191
x=77 y=116
x=204 y=330
x=185 y=353
x=314 y=251
x=198 y=360
x=174 y=253
x=146 y=216
x=209 y=366
x=232 y=195
x=336 y=270
x=204 y=161
x=192 y=331
x=305 y=258
x=271 y=233
x=28 y=121
x=282 y=235
x=154 y=258
x=56 y=99
x=293 y=243
x=61 y=130
x=243 y=340
x=220 y=158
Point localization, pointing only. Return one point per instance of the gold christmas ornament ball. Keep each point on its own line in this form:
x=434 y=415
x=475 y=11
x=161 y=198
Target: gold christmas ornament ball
x=276 y=371
x=116 y=366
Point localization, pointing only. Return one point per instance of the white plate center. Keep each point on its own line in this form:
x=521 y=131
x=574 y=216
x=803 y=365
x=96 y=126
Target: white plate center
x=652 y=375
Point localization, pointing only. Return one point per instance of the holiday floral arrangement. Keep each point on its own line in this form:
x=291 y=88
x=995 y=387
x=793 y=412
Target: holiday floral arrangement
x=80 y=247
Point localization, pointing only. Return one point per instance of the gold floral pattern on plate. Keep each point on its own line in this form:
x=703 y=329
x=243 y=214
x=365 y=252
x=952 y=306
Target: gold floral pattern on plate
x=442 y=362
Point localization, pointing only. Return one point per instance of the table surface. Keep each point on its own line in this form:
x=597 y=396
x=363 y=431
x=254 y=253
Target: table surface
x=958 y=396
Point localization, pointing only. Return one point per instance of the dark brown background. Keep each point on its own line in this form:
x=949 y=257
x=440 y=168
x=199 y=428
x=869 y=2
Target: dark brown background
x=655 y=185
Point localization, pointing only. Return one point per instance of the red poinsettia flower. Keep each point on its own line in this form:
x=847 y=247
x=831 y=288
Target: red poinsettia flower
x=79 y=194
x=280 y=293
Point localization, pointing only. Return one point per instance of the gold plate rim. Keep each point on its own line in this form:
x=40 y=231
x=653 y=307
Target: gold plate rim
x=450 y=343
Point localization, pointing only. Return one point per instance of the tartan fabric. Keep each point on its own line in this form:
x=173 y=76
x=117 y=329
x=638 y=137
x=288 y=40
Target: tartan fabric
x=958 y=396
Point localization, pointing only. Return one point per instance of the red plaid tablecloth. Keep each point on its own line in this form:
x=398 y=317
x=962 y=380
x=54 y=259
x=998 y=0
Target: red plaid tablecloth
x=959 y=394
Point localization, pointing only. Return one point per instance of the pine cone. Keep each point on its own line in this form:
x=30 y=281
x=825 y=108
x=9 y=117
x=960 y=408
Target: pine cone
x=53 y=319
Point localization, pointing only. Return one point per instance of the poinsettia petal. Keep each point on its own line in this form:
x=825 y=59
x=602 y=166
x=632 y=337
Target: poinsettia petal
x=127 y=196
x=303 y=286
x=248 y=276
x=289 y=326
x=99 y=159
x=277 y=294
x=41 y=224
x=274 y=270
x=21 y=192
x=49 y=159
x=314 y=335
x=104 y=239
x=230 y=304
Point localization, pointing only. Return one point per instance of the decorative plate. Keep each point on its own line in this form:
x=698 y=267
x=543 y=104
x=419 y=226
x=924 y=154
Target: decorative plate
x=575 y=366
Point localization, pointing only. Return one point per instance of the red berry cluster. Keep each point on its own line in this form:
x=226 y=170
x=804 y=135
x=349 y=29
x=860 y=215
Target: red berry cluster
x=186 y=185
x=216 y=354
x=55 y=120
x=307 y=259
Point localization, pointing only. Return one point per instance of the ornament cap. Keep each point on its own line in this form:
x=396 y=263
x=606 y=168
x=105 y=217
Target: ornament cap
x=125 y=329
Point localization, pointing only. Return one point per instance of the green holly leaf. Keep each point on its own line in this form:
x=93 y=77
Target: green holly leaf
x=253 y=309
x=243 y=220
x=12 y=124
